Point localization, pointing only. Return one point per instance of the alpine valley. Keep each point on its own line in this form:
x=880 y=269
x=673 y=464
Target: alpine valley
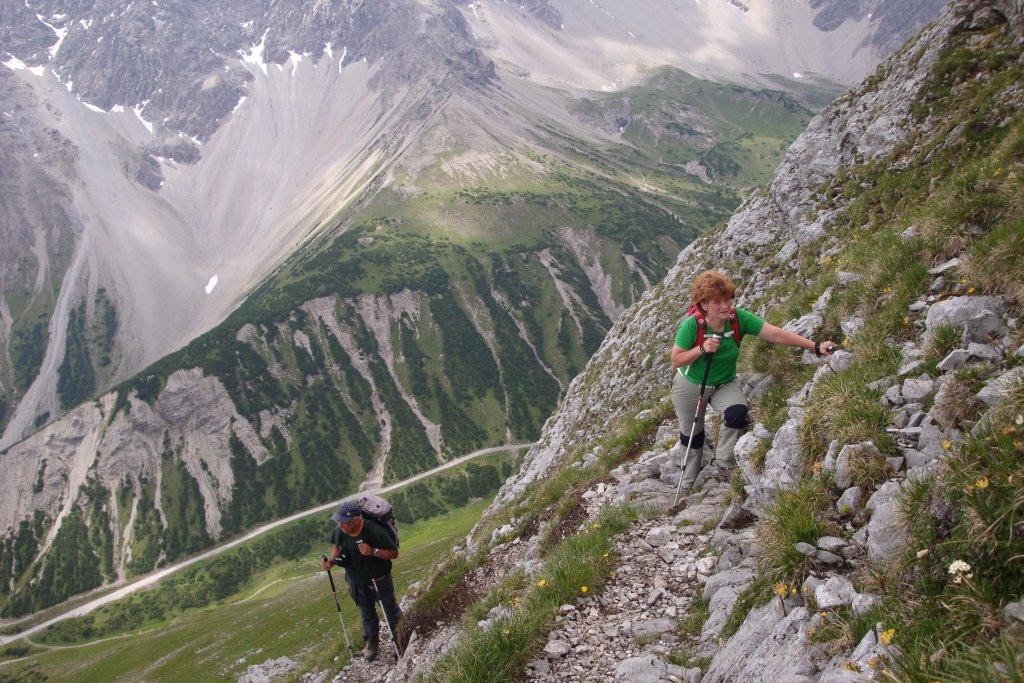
x=256 y=255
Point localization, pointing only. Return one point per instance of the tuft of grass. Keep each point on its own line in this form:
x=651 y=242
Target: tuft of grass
x=578 y=565
x=684 y=657
x=753 y=596
x=956 y=405
x=759 y=454
x=799 y=514
x=736 y=492
x=691 y=623
x=941 y=342
x=994 y=264
x=843 y=408
x=867 y=468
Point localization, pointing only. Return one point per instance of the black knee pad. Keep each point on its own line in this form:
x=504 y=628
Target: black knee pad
x=736 y=417
x=698 y=439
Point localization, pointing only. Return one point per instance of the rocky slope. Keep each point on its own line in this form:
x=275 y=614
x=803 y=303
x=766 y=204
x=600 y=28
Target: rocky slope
x=871 y=530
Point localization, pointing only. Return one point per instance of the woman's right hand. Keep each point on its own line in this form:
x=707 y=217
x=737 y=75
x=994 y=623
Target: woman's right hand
x=711 y=344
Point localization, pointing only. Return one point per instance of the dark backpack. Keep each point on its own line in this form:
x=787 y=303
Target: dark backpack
x=378 y=510
x=702 y=325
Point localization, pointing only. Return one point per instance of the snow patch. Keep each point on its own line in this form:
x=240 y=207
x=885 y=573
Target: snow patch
x=212 y=284
x=295 y=58
x=241 y=101
x=138 y=112
x=328 y=50
x=61 y=33
x=196 y=141
x=15 y=64
x=254 y=55
x=797 y=74
x=117 y=109
x=93 y=107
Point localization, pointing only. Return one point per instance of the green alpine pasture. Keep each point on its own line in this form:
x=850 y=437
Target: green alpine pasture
x=265 y=599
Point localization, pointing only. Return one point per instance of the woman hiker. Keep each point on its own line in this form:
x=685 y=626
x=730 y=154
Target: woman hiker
x=713 y=329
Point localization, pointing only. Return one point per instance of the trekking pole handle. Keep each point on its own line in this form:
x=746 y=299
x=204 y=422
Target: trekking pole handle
x=330 y=577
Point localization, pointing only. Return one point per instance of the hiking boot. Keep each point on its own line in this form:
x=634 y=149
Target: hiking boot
x=370 y=649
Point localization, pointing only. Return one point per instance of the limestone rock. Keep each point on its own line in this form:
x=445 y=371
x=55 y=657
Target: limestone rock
x=836 y=592
x=770 y=646
x=653 y=627
x=556 y=649
x=887 y=533
x=270 y=670
x=659 y=536
x=915 y=389
x=730 y=577
x=995 y=390
x=642 y=669
x=863 y=603
x=849 y=503
x=982 y=315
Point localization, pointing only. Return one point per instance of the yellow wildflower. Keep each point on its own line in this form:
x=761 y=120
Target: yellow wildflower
x=970 y=290
x=982 y=483
x=583 y=589
x=947 y=444
x=887 y=635
x=781 y=589
x=542 y=583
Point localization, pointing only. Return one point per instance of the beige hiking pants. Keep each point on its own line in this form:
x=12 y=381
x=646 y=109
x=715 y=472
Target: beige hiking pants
x=726 y=399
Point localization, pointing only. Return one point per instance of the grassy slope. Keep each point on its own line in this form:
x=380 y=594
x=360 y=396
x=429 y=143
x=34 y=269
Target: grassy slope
x=960 y=185
x=284 y=610
x=737 y=134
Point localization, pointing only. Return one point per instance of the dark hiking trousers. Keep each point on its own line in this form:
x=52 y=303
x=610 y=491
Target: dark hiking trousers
x=366 y=599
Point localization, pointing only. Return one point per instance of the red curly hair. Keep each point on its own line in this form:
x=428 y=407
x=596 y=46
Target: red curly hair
x=712 y=285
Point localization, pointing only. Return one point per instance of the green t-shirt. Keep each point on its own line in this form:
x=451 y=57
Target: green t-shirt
x=723 y=366
x=362 y=568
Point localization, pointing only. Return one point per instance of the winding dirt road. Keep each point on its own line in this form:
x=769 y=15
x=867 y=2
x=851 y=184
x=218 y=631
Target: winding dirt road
x=153 y=578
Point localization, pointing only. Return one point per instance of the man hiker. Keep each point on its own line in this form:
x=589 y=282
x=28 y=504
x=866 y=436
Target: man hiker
x=707 y=346
x=365 y=550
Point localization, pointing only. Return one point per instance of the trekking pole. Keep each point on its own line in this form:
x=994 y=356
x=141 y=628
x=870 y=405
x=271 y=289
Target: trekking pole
x=696 y=414
x=334 y=593
x=387 y=620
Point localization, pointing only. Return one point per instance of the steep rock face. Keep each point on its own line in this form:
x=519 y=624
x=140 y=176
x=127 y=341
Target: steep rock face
x=866 y=123
x=603 y=45
x=180 y=65
x=193 y=419
x=195 y=122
